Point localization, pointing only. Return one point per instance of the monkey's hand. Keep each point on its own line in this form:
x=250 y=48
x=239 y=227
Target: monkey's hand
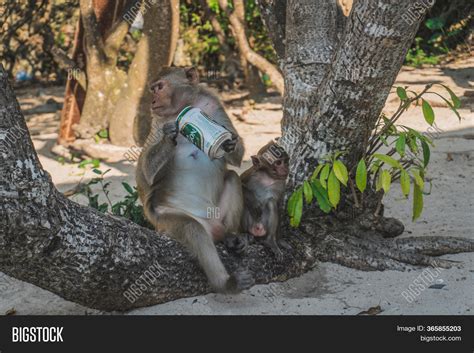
x=229 y=145
x=237 y=243
x=171 y=131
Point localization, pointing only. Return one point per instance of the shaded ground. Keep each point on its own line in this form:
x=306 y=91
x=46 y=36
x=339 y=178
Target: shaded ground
x=329 y=288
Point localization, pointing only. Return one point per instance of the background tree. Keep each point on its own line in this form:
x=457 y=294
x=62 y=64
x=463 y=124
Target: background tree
x=115 y=98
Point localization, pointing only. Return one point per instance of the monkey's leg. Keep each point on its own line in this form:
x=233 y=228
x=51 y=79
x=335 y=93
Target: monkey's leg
x=270 y=222
x=192 y=234
x=231 y=205
x=231 y=202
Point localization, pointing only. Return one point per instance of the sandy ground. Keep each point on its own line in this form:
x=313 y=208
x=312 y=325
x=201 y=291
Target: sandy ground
x=328 y=288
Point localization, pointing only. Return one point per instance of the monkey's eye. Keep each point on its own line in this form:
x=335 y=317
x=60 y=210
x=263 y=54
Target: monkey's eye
x=157 y=87
x=278 y=162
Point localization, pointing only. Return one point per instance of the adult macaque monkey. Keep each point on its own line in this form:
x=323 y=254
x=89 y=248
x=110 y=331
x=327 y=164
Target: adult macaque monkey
x=185 y=194
x=263 y=186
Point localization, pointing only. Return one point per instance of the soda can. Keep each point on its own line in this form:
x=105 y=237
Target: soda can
x=202 y=131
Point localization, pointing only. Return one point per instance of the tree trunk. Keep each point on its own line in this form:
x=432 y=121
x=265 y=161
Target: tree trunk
x=75 y=93
x=114 y=99
x=311 y=39
x=131 y=116
x=251 y=56
x=104 y=80
x=345 y=103
x=251 y=73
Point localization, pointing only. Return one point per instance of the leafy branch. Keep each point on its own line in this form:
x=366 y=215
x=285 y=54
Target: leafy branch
x=406 y=160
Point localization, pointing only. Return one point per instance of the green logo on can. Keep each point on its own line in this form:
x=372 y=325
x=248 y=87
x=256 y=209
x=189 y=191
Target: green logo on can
x=193 y=134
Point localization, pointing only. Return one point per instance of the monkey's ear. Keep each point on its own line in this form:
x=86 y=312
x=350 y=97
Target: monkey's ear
x=255 y=161
x=192 y=75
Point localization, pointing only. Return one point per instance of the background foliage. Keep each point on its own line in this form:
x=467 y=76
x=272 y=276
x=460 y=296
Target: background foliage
x=30 y=28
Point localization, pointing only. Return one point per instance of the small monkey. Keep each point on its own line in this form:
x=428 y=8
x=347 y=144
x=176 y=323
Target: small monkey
x=263 y=186
x=185 y=194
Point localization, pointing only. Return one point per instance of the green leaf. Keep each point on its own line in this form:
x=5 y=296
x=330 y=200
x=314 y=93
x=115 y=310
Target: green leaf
x=375 y=166
x=103 y=134
x=361 y=176
x=434 y=23
x=128 y=188
x=292 y=203
x=103 y=208
x=334 y=189
x=386 y=180
x=316 y=171
x=341 y=172
x=405 y=183
x=388 y=160
x=450 y=105
x=412 y=143
x=308 y=192
x=419 y=136
x=456 y=101
x=295 y=219
x=84 y=163
x=418 y=178
x=428 y=112
x=321 y=196
x=417 y=202
x=324 y=175
x=384 y=140
x=402 y=93
x=400 y=145
x=378 y=182
x=426 y=153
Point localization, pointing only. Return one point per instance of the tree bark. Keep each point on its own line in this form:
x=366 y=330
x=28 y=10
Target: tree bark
x=311 y=40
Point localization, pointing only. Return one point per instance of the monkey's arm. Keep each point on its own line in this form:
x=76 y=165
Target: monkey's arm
x=235 y=156
x=155 y=158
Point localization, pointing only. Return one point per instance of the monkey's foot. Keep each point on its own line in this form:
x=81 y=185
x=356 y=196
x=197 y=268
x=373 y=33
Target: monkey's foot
x=284 y=244
x=240 y=280
x=237 y=243
x=273 y=244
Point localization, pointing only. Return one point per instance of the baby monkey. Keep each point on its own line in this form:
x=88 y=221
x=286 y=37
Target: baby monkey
x=263 y=186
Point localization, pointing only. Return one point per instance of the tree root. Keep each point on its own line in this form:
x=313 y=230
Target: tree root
x=372 y=252
x=436 y=246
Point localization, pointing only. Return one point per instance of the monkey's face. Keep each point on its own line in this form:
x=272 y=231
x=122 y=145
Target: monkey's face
x=273 y=159
x=173 y=90
x=276 y=168
x=162 y=97
x=280 y=168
